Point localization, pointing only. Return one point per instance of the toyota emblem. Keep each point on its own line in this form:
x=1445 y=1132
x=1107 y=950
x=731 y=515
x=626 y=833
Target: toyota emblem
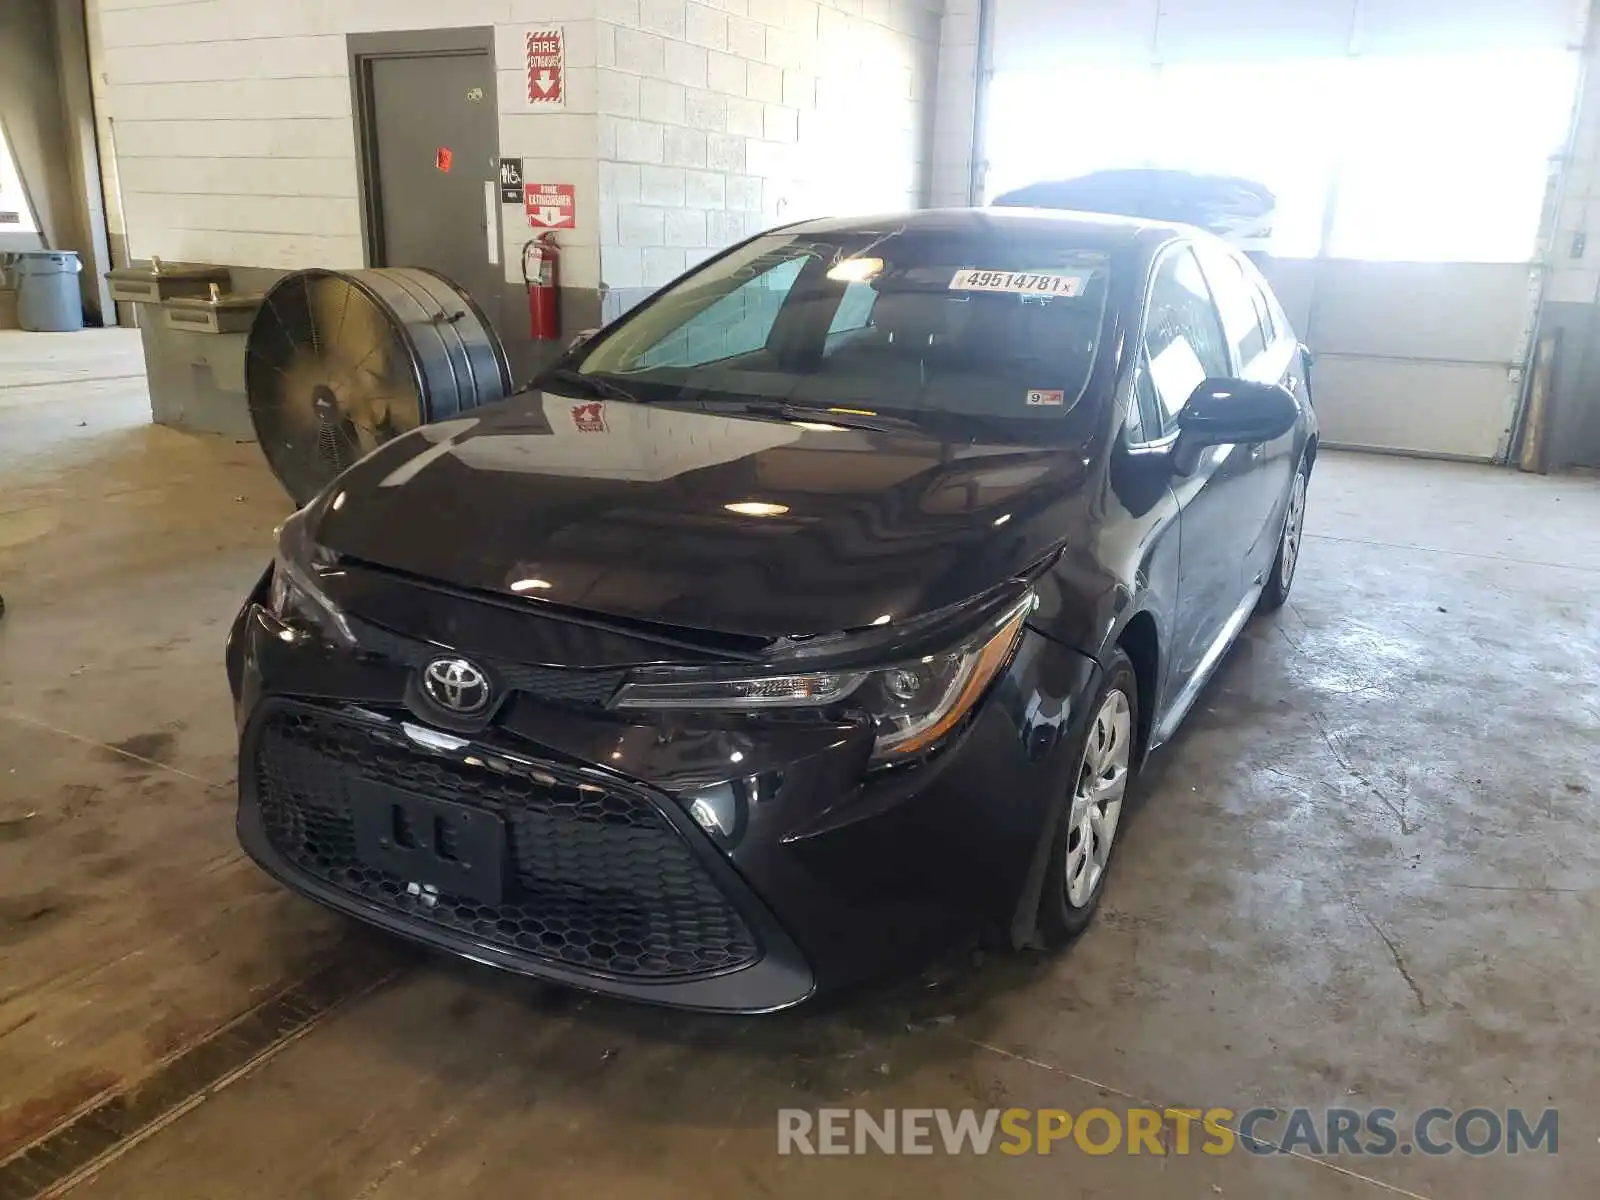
x=456 y=686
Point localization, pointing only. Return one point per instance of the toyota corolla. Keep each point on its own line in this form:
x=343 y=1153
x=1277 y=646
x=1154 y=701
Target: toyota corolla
x=817 y=612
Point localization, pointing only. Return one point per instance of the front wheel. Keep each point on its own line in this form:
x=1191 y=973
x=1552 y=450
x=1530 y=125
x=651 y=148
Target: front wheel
x=1294 y=520
x=1080 y=857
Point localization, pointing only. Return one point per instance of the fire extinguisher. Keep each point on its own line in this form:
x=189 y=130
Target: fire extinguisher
x=541 y=271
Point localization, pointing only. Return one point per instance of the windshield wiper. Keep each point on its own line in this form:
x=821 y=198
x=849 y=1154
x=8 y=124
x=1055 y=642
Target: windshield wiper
x=785 y=410
x=589 y=385
x=782 y=410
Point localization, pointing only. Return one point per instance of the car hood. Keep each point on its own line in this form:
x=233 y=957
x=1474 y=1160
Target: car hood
x=621 y=509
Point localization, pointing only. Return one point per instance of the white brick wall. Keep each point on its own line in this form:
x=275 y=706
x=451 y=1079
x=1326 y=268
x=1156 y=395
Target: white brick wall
x=689 y=123
x=233 y=134
x=778 y=110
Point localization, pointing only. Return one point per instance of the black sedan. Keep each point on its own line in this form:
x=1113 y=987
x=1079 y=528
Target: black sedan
x=819 y=611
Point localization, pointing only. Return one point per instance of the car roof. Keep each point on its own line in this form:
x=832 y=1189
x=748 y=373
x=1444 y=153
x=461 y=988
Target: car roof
x=1089 y=231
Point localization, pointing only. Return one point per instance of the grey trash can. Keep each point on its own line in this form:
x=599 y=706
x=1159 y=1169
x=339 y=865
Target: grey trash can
x=47 y=291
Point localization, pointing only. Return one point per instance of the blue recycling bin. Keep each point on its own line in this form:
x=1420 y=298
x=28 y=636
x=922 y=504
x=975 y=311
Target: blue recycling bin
x=47 y=291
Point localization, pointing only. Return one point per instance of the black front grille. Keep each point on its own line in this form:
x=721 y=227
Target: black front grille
x=598 y=879
x=582 y=686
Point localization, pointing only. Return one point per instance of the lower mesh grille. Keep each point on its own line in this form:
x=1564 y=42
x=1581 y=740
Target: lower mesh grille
x=596 y=879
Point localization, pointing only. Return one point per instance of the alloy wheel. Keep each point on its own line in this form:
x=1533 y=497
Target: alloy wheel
x=1294 y=523
x=1097 y=799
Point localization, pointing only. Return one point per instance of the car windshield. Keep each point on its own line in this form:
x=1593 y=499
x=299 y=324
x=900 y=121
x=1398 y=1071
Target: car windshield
x=888 y=321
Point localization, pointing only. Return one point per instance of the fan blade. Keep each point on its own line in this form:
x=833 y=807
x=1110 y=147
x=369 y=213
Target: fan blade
x=336 y=365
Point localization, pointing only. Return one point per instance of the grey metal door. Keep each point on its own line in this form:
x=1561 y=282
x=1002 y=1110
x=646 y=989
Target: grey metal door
x=433 y=141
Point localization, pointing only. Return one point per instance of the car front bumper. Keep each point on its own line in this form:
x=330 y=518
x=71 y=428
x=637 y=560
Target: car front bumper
x=825 y=875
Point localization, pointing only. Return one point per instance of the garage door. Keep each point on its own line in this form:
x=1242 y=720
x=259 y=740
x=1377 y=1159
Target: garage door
x=1417 y=357
x=1409 y=143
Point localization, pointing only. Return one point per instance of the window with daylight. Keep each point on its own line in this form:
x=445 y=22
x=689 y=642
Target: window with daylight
x=1425 y=157
x=16 y=215
x=1447 y=157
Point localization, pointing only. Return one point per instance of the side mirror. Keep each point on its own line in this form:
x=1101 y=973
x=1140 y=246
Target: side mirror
x=1229 y=412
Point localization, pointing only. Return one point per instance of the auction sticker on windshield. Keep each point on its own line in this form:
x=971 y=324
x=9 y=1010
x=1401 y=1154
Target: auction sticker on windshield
x=1028 y=283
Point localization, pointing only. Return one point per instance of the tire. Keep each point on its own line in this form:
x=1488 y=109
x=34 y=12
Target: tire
x=1287 y=559
x=1070 y=895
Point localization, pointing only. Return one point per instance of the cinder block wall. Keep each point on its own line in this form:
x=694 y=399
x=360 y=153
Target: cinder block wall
x=689 y=124
x=721 y=118
x=234 y=140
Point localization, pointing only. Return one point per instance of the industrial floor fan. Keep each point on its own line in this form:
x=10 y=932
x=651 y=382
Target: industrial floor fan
x=339 y=362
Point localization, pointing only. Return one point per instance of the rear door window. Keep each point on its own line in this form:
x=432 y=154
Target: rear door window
x=1238 y=304
x=1264 y=312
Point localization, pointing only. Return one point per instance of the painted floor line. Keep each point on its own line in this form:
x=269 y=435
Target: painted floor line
x=86 y=1144
x=25 y=719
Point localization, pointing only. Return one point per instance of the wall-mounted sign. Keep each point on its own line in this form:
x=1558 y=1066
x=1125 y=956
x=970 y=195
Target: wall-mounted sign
x=442 y=158
x=551 y=205
x=544 y=67
x=510 y=181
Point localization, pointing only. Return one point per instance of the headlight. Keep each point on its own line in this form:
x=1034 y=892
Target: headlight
x=295 y=595
x=913 y=704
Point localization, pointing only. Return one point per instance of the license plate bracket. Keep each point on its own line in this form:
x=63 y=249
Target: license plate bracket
x=451 y=847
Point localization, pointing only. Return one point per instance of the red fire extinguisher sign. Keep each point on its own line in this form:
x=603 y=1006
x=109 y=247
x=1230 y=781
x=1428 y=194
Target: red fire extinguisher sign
x=550 y=205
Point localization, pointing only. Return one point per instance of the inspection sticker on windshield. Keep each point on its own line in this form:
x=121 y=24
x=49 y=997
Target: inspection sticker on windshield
x=1025 y=283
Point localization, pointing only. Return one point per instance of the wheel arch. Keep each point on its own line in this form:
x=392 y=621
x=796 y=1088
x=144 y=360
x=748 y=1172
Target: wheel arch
x=1140 y=640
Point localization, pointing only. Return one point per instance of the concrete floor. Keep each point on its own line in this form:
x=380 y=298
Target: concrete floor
x=1366 y=874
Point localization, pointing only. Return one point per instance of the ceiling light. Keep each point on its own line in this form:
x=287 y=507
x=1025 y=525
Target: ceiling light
x=532 y=585
x=854 y=412
x=855 y=270
x=1001 y=520
x=885 y=619
x=756 y=508
x=819 y=426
